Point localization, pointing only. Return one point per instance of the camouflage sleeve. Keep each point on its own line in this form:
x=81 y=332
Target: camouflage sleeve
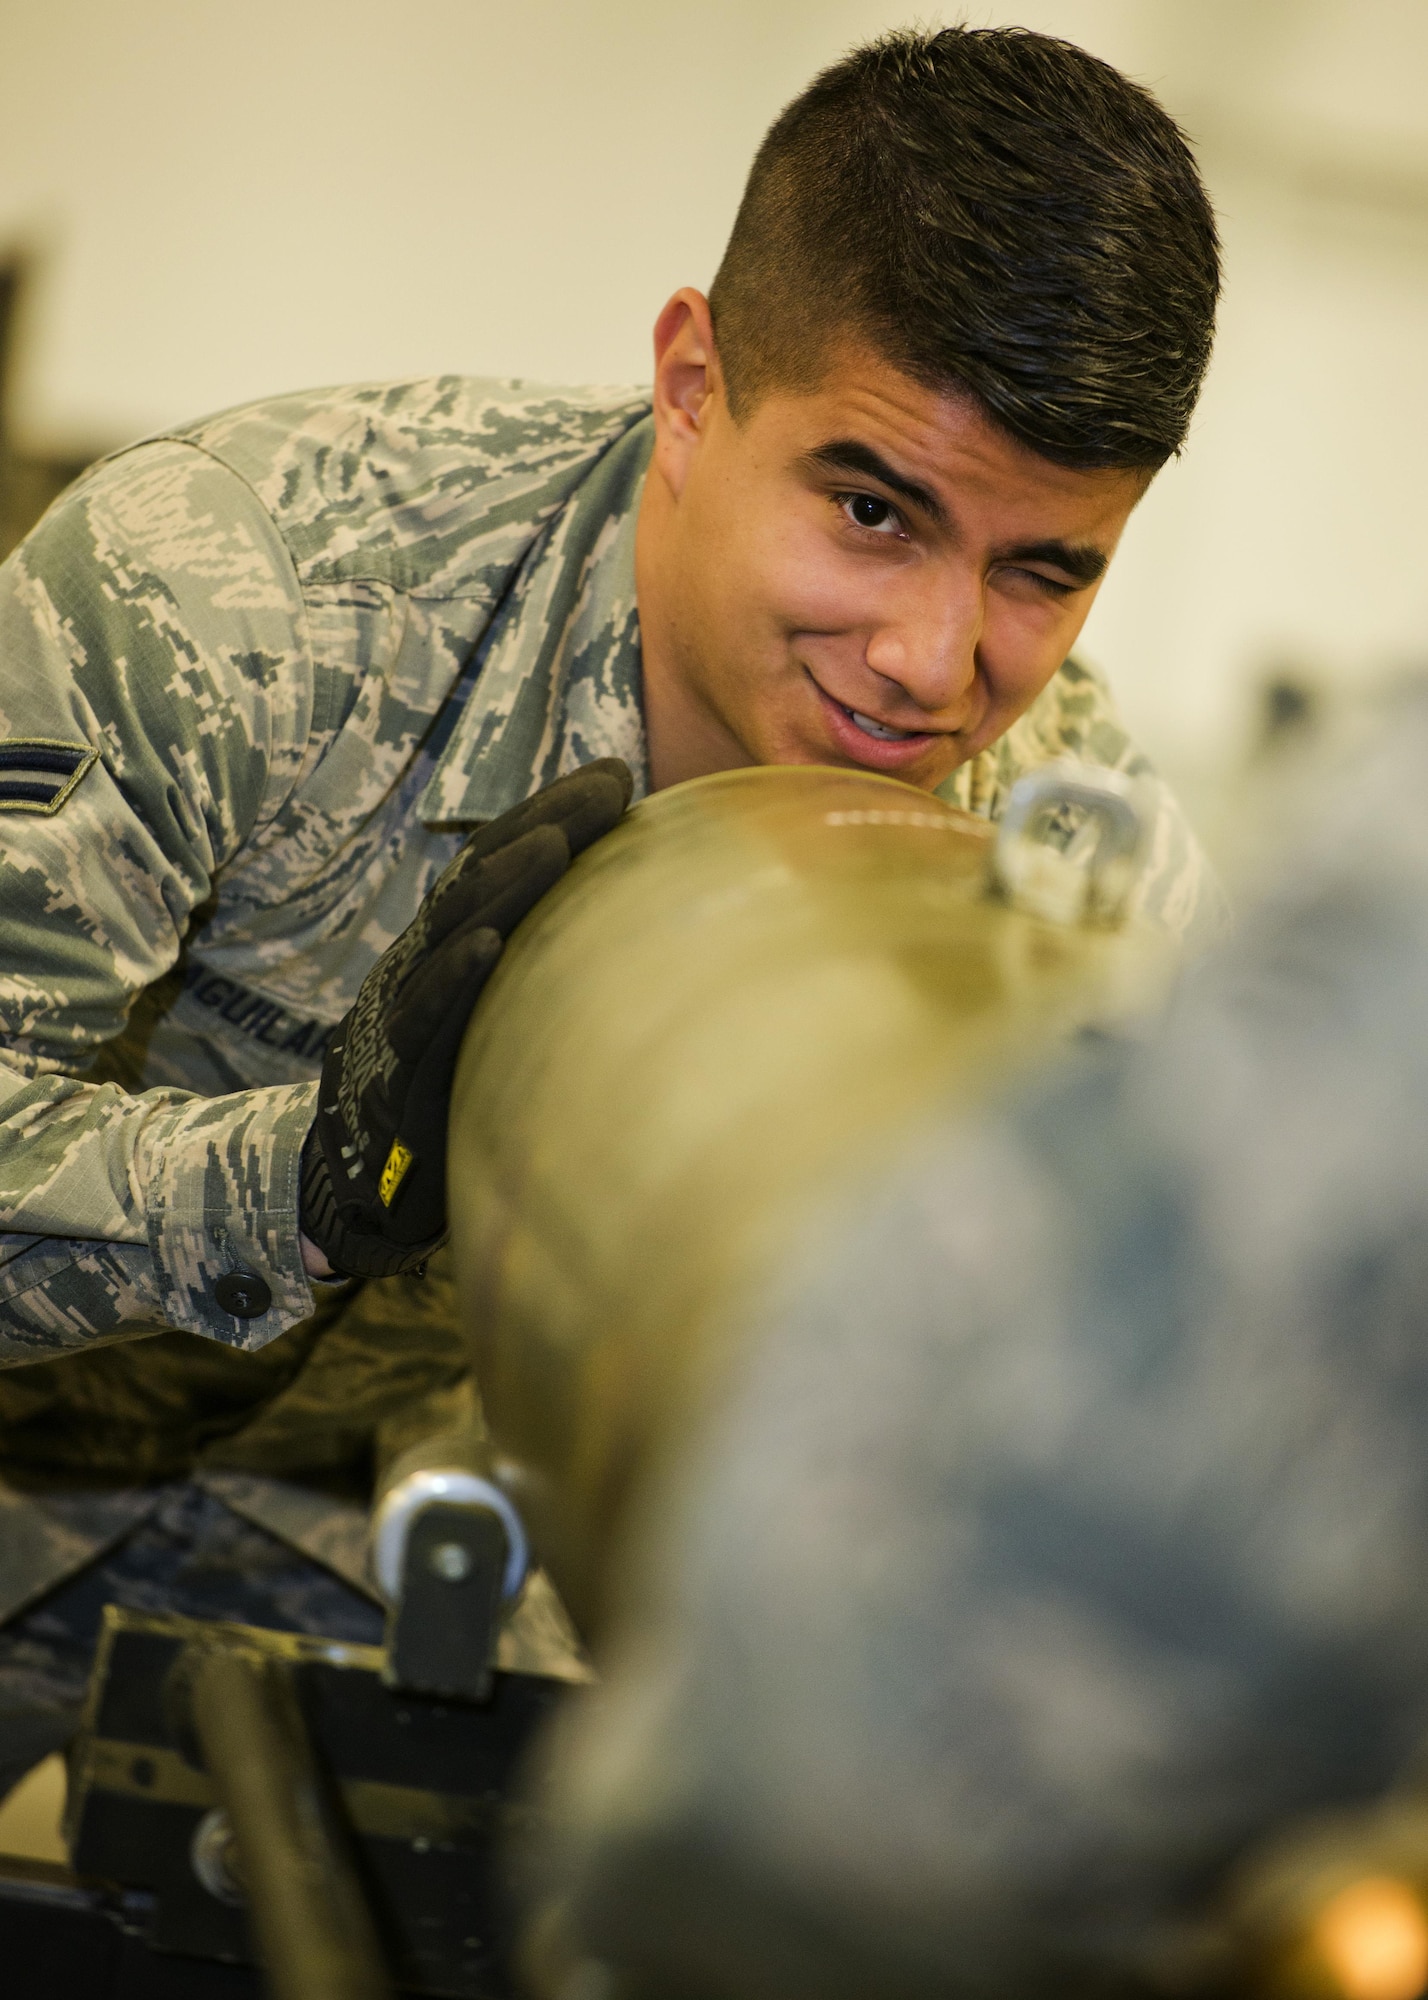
x=154 y=619
x=1075 y=716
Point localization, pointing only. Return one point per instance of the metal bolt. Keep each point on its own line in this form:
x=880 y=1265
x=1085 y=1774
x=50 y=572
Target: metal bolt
x=451 y=1561
x=214 y=1856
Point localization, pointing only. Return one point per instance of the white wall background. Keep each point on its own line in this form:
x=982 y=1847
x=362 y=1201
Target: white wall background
x=232 y=201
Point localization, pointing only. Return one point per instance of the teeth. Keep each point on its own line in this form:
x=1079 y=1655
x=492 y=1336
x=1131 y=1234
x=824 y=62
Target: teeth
x=879 y=729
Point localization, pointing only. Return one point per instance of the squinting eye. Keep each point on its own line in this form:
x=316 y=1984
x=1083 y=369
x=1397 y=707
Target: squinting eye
x=867 y=511
x=1047 y=586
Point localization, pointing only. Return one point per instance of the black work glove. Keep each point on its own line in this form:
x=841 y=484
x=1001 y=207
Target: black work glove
x=374 y=1163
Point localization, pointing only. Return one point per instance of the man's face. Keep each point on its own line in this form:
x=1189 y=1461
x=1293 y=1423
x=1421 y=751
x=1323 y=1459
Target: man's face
x=870 y=574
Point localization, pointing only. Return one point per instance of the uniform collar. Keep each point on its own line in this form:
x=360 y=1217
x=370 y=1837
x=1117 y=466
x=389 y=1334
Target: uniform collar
x=557 y=679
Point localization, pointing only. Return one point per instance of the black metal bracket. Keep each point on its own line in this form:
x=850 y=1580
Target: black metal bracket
x=443 y=1627
x=322 y=1770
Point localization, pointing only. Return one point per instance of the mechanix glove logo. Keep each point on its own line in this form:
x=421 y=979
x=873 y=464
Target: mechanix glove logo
x=374 y=1165
x=398 y=1160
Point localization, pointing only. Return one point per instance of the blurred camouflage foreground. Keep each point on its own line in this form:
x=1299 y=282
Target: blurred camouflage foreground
x=983 y=1641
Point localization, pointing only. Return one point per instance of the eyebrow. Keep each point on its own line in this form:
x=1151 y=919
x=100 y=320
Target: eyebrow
x=1078 y=560
x=847 y=455
x=1082 y=563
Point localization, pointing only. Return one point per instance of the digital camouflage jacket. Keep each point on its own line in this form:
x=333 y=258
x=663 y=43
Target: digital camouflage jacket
x=256 y=679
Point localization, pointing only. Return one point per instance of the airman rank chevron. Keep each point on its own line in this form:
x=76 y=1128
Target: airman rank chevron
x=37 y=775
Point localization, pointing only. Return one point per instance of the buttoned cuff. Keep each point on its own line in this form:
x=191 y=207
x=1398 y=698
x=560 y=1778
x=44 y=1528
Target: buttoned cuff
x=222 y=1214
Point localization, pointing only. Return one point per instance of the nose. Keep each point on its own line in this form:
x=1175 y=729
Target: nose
x=926 y=644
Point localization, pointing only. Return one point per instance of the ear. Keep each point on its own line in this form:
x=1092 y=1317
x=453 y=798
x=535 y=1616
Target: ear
x=687 y=382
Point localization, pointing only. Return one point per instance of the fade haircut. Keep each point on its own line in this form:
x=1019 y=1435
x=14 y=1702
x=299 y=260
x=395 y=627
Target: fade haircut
x=991 y=210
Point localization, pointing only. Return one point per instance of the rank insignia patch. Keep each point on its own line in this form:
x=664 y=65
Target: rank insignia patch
x=37 y=776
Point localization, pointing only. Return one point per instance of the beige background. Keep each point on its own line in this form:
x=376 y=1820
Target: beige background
x=237 y=200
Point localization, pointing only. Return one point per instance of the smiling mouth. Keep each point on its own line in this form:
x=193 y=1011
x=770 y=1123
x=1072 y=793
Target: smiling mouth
x=883 y=732
x=885 y=747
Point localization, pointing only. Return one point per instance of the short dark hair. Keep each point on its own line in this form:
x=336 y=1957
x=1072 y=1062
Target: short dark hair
x=997 y=211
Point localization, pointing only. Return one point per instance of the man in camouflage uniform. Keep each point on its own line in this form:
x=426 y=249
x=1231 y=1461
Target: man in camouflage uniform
x=260 y=678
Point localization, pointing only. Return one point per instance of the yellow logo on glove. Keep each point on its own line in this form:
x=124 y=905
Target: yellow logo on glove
x=398 y=1160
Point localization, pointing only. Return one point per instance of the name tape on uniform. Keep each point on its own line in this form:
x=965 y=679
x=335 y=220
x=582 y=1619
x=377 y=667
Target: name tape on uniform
x=254 y=1015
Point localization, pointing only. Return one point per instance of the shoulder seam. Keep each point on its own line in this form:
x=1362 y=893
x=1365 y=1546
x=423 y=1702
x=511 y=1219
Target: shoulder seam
x=191 y=444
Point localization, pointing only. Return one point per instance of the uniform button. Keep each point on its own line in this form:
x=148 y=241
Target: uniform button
x=243 y=1294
